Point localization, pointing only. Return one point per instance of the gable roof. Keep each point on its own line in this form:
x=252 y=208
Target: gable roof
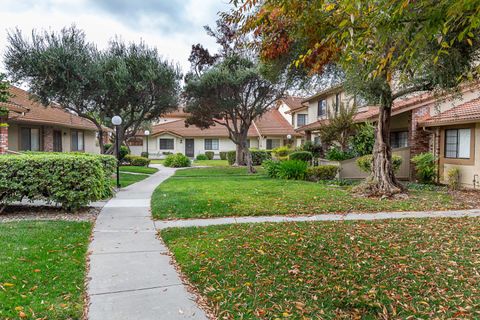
x=27 y=110
x=272 y=123
x=463 y=113
x=330 y=90
x=361 y=116
x=293 y=103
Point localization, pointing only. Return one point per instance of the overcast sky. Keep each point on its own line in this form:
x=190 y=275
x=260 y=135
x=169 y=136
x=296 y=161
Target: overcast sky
x=172 y=26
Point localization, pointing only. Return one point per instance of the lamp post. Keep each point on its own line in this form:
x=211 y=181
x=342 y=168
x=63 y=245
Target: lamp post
x=289 y=137
x=147 y=133
x=117 y=121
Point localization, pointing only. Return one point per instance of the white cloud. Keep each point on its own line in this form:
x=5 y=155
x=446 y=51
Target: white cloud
x=171 y=28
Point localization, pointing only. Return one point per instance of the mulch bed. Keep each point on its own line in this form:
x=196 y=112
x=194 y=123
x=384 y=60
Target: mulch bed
x=26 y=212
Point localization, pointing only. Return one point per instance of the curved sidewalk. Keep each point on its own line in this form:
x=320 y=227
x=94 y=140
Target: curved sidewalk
x=130 y=274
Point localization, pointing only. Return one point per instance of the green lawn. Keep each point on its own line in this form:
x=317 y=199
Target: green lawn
x=127 y=179
x=211 y=163
x=390 y=269
x=157 y=161
x=216 y=192
x=135 y=169
x=42 y=269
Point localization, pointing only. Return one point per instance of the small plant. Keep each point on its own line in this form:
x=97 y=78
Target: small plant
x=335 y=154
x=223 y=155
x=166 y=153
x=123 y=150
x=365 y=163
x=315 y=149
x=281 y=151
x=136 y=161
x=453 y=179
x=324 y=172
x=210 y=155
x=425 y=167
x=201 y=157
x=144 y=154
x=292 y=170
x=272 y=168
x=258 y=156
x=177 y=161
x=301 y=155
x=231 y=155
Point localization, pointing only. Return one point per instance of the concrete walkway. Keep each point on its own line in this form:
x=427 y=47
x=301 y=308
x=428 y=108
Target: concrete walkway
x=162 y=224
x=130 y=272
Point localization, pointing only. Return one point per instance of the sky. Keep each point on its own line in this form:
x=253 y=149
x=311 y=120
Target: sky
x=172 y=26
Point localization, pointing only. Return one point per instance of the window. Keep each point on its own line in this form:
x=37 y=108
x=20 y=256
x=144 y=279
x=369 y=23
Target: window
x=322 y=108
x=211 y=144
x=399 y=139
x=166 y=144
x=273 y=143
x=316 y=141
x=77 y=141
x=301 y=120
x=457 y=143
x=337 y=102
x=30 y=139
x=248 y=143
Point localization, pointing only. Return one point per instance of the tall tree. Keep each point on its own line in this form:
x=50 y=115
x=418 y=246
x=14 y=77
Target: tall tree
x=339 y=127
x=4 y=86
x=127 y=80
x=388 y=49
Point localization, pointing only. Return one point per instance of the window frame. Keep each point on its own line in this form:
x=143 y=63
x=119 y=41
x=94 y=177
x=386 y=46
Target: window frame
x=21 y=142
x=321 y=108
x=77 y=149
x=304 y=117
x=271 y=143
x=172 y=140
x=396 y=134
x=212 y=145
x=457 y=144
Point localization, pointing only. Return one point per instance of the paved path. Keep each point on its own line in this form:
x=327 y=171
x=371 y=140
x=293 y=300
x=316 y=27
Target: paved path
x=131 y=275
x=321 y=217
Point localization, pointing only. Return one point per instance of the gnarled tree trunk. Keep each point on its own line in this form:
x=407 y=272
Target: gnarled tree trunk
x=243 y=155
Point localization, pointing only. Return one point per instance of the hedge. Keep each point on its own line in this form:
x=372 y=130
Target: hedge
x=201 y=156
x=323 y=172
x=365 y=163
x=136 y=161
x=71 y=180
x=301 y=155
x=258 y=156
x=177 y=161
x=223 y=155
x=210 y=155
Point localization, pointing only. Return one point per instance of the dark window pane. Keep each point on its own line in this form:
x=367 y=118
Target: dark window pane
x=166 y=144
x=26 y=139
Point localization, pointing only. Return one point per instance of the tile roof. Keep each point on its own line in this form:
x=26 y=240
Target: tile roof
x=465 y=112
x=34 y=112
x=272 y=123
x=294 y=103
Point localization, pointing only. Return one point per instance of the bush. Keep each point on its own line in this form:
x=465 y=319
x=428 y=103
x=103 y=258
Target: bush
x=144 y=154
x=453 y=178
x=177 y=161
x=335 y=154
x=324 y=172
x=365 y=163
x=363 y=140
x=258 y=156
x=425 y=167
x=301 y=155
x=137 y=161
x=166 y=153
x=210 y=155
x=201 y=157
x=272 y=167
x=315 y=149
x=282 y=151
x=231 y=157
x=292 y=170
x=71 y=180
x=223 y=155
x=123 y=150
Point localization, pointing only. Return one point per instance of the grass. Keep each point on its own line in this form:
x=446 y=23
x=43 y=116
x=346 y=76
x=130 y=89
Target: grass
x=127 y=179
x=135 y=169
x=390 y=269
x=216 y=192
x=211 y=163
x=157 y=161
x=42 y=269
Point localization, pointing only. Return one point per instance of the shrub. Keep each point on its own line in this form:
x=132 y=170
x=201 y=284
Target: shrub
x=292 y=169
x=282 y=151
x=177 y=161
x=231 y=157
x=272 y=168
x=453 y=178
x=223 y=155
x=301 y=155
x=335 y=154
x=201 y=157
x=123 y=150
x=258 y=156
x=324 y=172
x=365 y=163
x=144 y=154
x=363 y=140
x=210 y=155
x=71 y=180
x=315 y=149
x=425 y=167
x=166 y=153
x=137 y=161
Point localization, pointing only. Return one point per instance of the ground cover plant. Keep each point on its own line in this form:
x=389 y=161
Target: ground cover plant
x=230 y=191
x=386 y=269
x=42 y=269
x=211 y=163
x=135 y=169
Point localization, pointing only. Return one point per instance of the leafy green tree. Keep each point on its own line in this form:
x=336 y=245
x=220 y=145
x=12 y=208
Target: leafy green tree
x=4 y=93
x=364 y=139
x=339 y=127
x=127 y=80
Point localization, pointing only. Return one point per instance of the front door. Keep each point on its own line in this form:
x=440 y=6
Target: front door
x=57 y=141
x=190 y=148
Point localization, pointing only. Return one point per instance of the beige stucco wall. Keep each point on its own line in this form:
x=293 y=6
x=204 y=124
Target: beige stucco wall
x=283 y=108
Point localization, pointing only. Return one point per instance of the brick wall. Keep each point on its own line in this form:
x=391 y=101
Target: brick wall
x=48 y=139
x=3 y=138
x=419 y=139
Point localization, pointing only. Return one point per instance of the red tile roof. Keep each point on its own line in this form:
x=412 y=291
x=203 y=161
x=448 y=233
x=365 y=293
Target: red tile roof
x=466 y=112
x=34 y=112
x=294 y=103
x=272 y=123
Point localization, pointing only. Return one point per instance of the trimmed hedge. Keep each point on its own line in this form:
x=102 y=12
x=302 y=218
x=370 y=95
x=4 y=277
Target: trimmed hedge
x=292 y=170
x=144 y=154
x=301 y=155
x=365 y=163
x=223 y=155
x=323 y=172
x=201 y=157
x=71 y=180
x=210 y=155
x=177 y=161
x=283 y=151
x=137 y=161
x=258 y=156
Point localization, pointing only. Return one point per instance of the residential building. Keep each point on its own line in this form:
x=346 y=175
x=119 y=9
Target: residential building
x=34 y=127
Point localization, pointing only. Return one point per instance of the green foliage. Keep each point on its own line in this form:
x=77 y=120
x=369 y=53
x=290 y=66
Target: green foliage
x=223 y=155
x=453 y=178
x=71 y=180
x=301 y=155
x=425 y=167
x=282 y=151
x=231 y=157
x=137 y=161
x=323 y=172
x=272 y=168
x=4 y=94
x=363 y=140
x=123 y=150
x=341 y=126
x=292 y=170
x=210 y=155
x=177 y=161
x=201 y=157
x=258 y=156
x=309 y=146
x=336 y=154
x=144 y=154
x=365 y=163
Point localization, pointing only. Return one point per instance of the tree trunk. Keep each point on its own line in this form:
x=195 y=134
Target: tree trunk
x=100 y=141
x=243 y=155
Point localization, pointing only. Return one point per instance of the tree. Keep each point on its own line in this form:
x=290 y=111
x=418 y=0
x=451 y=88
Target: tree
x=127 y=80
x=387 y=49
x=4 y=86
x=339 y=127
